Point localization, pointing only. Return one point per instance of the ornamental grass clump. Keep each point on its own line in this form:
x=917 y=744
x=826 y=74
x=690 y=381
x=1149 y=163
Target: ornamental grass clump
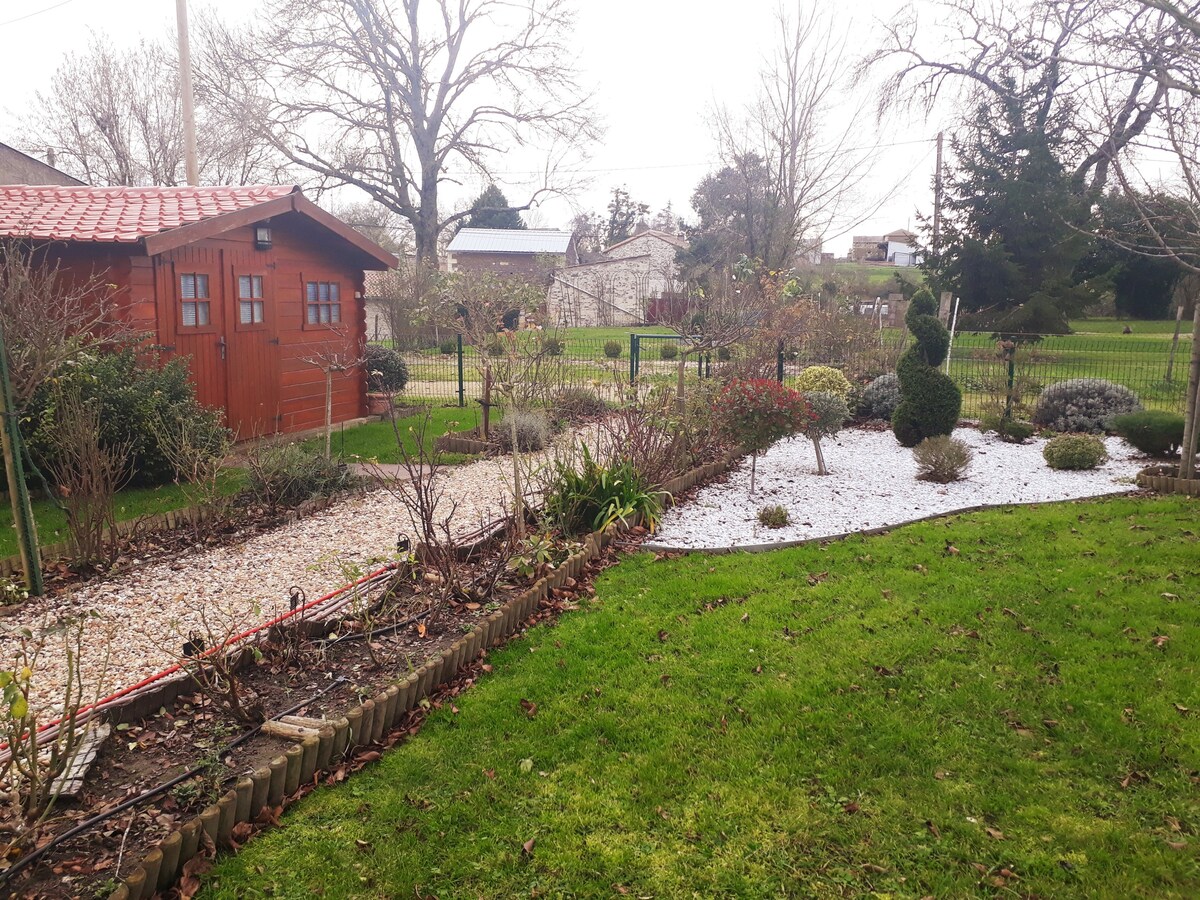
x=774 y=516
x=757 y=412
x=1084 y=405
x=828 y=412
x=530 y=428
x=590 y=496
x=942 y=459
x=929 y=400
x=823 y=378
x=1074 y=452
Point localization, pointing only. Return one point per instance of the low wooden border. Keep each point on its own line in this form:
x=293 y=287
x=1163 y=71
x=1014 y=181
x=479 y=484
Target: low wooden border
x=1165 y=480
x=457 y=443
x=278 y=783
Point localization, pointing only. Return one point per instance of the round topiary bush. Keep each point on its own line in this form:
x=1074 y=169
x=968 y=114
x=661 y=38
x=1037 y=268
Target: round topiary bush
x=929 y=400
x=668 y=351
x=553 y=346
x=1074 y=451
x=825 y=379
x=724 y=354
x=880 y=399
x=942 y=459
x=387 y=372
x=448 y=347
x=1084 y=405
x=1154 y=432
x=612 y=349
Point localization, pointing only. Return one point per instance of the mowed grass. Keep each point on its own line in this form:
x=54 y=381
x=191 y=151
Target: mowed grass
x=131 y=503
x=1137 y=326
x=997 y=704
x=376 y=441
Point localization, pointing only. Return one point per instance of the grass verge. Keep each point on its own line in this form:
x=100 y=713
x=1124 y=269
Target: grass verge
x=994 y=704
x=377 y=441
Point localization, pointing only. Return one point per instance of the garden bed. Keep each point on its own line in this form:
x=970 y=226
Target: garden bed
x=872 y=484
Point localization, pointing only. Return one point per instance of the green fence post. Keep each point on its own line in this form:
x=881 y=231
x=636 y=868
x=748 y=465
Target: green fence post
x=462 y=401
x=779 y=364
x=633 y=357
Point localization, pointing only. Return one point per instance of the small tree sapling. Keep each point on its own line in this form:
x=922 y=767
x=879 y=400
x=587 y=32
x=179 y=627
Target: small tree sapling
x=758 y=412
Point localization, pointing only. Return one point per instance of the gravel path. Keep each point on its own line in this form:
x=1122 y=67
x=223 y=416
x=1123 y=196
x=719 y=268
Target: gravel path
x=873 y=484
x=148 y=612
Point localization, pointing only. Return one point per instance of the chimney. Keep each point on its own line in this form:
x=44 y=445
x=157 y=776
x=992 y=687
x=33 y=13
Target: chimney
x=50 y=157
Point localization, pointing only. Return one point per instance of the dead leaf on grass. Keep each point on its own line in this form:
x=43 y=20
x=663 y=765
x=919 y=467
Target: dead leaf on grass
x=1160 y=640
x=933 y=829
x=527 y=847
x=994 y=833
x=529 y=706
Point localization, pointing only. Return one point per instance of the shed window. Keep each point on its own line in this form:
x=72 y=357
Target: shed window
x=250 y=302
x=324 y=301
x=193 y=295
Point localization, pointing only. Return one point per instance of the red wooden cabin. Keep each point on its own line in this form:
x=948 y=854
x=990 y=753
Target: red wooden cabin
x=248 y=282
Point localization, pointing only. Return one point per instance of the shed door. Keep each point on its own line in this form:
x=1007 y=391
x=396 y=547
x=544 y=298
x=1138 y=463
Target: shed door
x=252 y=345
x=194 y=320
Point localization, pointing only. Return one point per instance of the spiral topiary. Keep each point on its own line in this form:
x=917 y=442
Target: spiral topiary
x=929 y=400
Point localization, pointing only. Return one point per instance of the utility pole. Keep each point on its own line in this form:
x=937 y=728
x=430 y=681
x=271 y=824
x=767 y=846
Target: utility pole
x=185 y=88
x=10 y=441
x=937 y=198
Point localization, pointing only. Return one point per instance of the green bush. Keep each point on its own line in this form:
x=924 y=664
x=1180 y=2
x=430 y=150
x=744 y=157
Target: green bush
x=495 y=348
x=387 y=372
x=880 y=399
x=724 y=354
x=612 y=349
x=1152 y=431
x=668 y=351
x=553 y=346
x=533 y=430
x=1015 y=431
x=446 y=348
x=774 y=516
x=135 y=402
x=824 y=379
x=942 y=459
x=1074 y=451
x=591 y=496
x=929 y=400
x=284 y=477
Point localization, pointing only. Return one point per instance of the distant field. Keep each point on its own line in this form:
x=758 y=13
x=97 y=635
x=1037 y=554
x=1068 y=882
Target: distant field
x=878 y=275
x=1137 y=326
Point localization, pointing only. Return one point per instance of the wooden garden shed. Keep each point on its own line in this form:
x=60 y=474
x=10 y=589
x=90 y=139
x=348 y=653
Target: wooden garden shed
x=252 y=284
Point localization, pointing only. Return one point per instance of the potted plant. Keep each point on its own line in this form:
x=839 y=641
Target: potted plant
x=387 y=375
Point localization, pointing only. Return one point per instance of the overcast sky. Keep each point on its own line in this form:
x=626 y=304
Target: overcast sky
x=657 y=67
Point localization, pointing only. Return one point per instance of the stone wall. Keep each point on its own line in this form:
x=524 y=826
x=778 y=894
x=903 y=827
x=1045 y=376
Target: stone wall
x=614 y=290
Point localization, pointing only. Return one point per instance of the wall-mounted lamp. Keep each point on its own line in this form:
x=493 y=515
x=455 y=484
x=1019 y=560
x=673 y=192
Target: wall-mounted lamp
x=262 y=237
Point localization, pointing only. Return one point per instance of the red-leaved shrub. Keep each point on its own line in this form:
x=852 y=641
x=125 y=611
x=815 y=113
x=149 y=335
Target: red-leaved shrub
x=758 y=412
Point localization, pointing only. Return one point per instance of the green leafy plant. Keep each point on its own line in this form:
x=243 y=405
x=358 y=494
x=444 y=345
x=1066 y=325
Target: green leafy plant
x=387 y=373
x=535 y=555
x=756 y=413
x=929 y=400
x=590 y=496
x=1074 y=451
x=553 y=346
x=823 y=378
x=942 y=459
x=724 y=354
x=1154 y=432
x=668 y=351
x=774 y=516
x=612 y=349
x=447 y=348
x=828 y=412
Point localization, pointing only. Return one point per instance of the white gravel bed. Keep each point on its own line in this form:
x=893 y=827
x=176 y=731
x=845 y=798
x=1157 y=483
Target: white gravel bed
x=873 y=484
x=144 y=615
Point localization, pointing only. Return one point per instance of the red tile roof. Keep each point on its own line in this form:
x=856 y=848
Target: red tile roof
x=119 y=214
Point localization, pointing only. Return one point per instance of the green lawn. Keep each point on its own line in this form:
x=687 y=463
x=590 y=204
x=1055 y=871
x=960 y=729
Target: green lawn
x=997 y=704
x=377 y=440
x=1137 y=326
x=131 y=503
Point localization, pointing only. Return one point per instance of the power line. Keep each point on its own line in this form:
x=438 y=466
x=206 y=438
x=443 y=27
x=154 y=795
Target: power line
x=36 y=12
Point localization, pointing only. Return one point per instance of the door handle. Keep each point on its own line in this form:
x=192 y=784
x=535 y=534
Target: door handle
x=221 y=343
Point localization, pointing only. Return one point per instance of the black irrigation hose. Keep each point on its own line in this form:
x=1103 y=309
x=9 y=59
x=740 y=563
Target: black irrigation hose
x=88 y=824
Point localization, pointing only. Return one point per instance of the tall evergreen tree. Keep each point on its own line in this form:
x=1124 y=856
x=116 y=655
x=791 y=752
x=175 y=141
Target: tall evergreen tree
x=623 y=215
x=491 y=210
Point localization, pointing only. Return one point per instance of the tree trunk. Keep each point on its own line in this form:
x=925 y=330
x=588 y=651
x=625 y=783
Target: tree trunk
x=518 y=501
x=680 y=399
x=820 y=458
x=1191 y=421
x=328 y=411
x=753 y=466
x=1174 y=343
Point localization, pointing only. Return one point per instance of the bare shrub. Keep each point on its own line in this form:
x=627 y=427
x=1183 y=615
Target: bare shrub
x=942 y=459
x=87 y=474
x=197 y=456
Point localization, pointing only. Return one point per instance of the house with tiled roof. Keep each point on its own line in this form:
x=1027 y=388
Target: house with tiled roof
x=249 y=283
x=622 y=286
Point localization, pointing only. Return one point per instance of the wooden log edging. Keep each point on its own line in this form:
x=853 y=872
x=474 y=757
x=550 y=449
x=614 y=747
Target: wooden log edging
x=1165 y=480
x=370 y=722
x=457 y=443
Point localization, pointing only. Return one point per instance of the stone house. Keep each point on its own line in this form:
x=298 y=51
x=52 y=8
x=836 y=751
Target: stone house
x=615 y=288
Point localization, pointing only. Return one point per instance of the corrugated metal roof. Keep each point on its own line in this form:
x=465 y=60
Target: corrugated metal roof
x=510 y=240
x=120 y=214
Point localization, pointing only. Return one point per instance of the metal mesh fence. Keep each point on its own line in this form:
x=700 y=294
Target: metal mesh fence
x=441 y=372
